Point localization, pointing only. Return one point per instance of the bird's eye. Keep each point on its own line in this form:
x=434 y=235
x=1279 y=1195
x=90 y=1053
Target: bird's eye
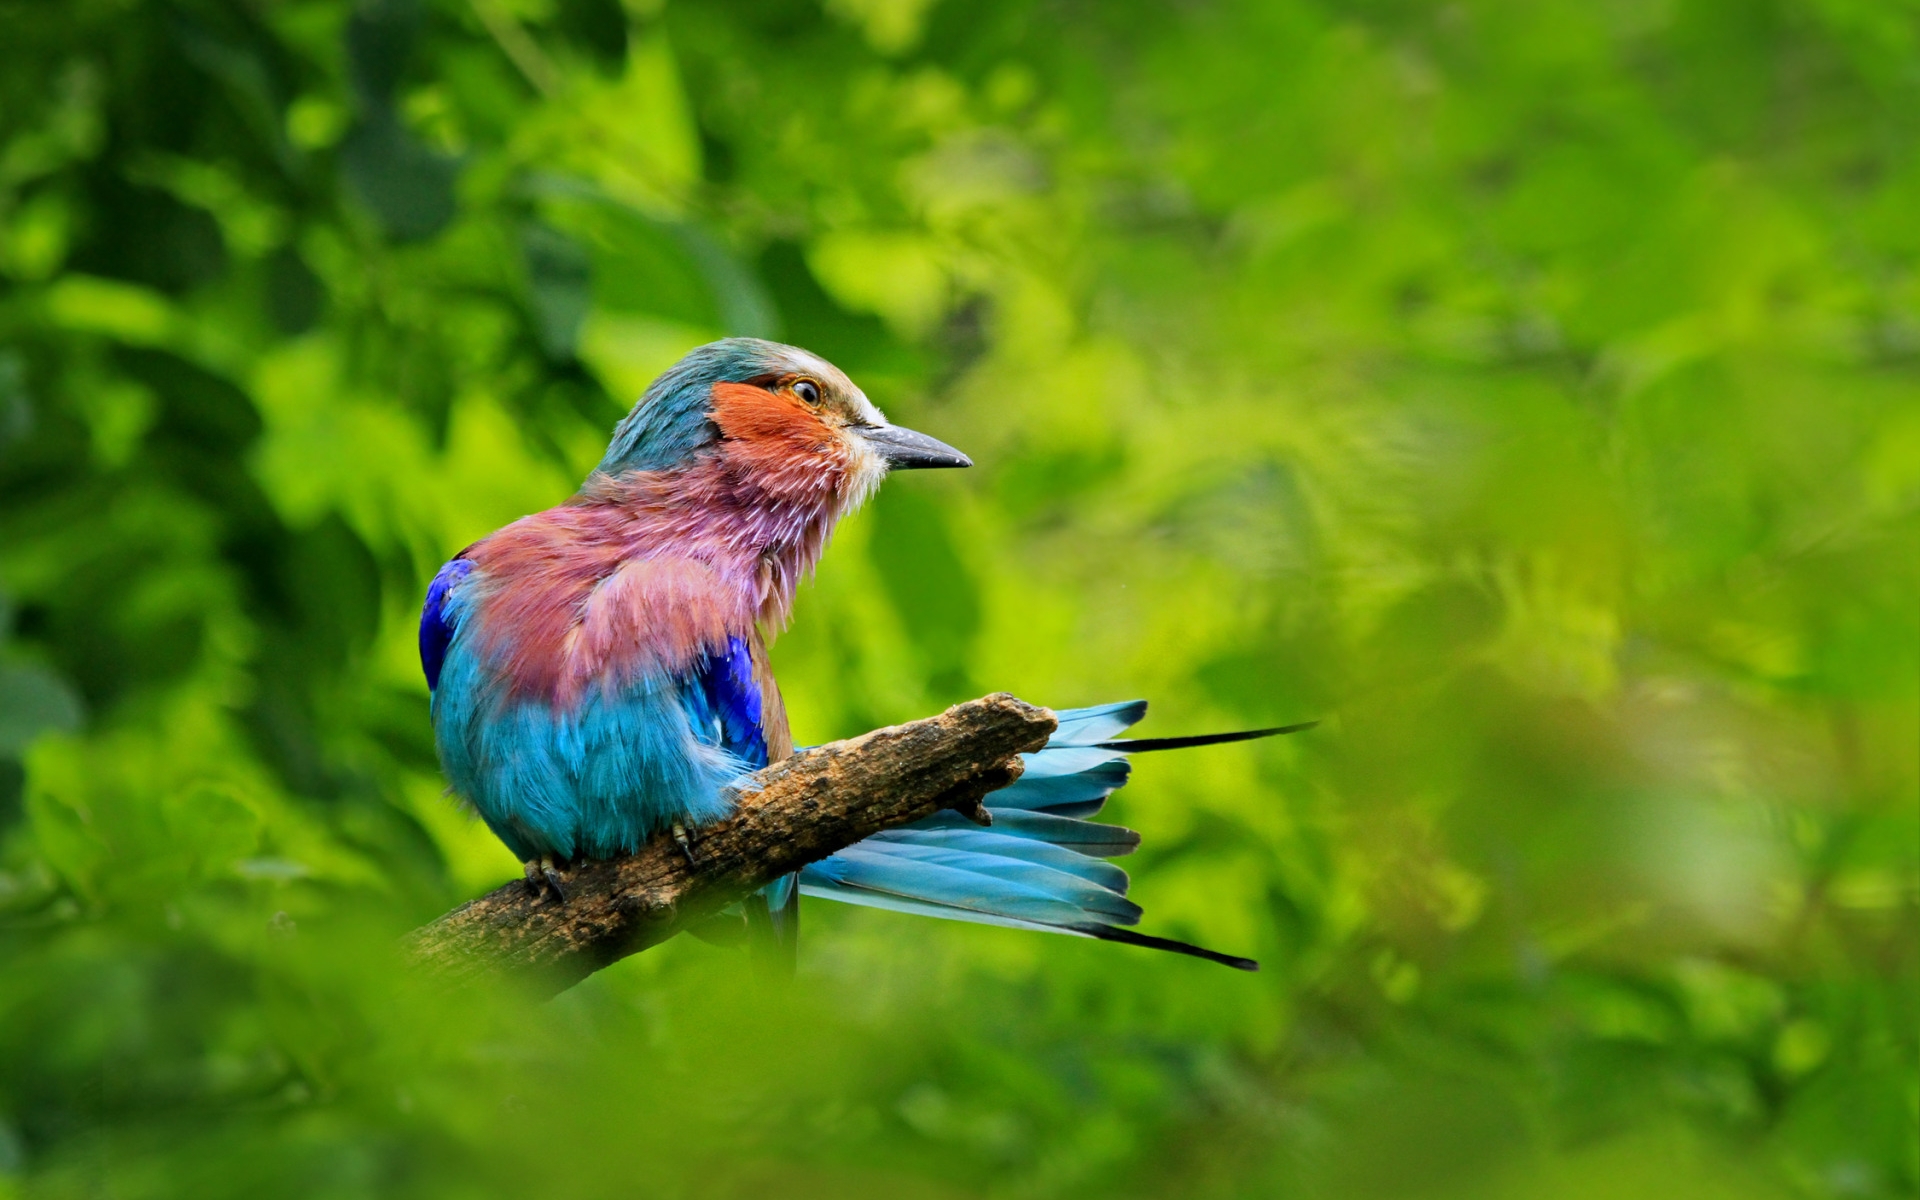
x=808 y=391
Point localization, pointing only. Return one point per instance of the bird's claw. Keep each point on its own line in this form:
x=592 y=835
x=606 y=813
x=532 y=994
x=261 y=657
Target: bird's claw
x=685 y=843
x=543 y=877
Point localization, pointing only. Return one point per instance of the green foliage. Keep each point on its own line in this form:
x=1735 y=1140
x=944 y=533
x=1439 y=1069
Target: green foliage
x=1526 y=389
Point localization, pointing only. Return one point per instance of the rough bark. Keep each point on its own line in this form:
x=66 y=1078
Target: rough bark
x=799 y=810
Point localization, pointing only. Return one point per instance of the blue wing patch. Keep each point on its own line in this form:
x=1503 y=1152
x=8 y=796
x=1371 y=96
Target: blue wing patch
x=734 y=701
x=435 y=631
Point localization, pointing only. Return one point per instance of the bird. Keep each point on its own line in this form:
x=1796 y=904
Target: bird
x=598 y=672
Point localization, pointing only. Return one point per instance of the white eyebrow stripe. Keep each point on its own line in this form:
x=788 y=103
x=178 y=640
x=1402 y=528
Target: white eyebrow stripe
x=808 y=363
x=868 y=412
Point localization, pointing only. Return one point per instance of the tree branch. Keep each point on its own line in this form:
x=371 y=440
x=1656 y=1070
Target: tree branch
x=799 y=810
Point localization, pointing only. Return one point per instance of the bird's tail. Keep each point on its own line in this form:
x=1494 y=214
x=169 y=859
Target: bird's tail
x=1041 y=864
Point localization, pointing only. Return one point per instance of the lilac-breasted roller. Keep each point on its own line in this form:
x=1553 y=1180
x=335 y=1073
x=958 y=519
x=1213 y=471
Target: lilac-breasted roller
x=599 y=670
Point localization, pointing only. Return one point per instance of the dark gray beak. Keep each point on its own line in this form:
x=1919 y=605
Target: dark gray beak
x=905 y=450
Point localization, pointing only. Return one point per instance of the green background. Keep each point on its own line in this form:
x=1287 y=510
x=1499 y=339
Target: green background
x=1526 y=389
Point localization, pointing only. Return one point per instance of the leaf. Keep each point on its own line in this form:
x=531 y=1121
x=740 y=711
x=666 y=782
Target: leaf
x=406 y=186
x=560 y=284
x=33 y=701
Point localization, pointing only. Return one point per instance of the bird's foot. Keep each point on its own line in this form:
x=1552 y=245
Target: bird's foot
x=683 y=841
x=544 y=877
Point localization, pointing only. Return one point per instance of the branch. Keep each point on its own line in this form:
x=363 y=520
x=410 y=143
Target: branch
x=797 y=811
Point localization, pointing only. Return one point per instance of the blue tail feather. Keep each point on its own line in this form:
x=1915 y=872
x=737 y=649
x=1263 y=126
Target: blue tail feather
x=1038 y=866
x=828 y=887
x=889 y=873
x=989 y=843
x=1085 y=837
x=1085 y=726
x=1053 y=783
x=999 y=871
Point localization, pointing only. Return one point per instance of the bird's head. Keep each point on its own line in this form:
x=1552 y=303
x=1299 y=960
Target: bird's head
x=774 y=415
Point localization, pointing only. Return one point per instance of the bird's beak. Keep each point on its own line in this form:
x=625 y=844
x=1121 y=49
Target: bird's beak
x=906 y=450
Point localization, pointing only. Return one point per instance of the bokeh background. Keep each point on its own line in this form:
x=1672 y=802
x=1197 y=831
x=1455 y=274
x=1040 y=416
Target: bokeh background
x=1529 y=389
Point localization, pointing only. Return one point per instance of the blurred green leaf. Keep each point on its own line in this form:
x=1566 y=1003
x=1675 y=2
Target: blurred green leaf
x=931 y=589
x=406 y=186
x=560 y=278
x=33 y=701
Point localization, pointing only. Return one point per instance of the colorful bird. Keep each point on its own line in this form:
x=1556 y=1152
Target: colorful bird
x=599 y=670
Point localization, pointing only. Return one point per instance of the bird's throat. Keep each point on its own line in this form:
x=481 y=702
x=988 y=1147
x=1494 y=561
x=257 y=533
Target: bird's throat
x=765 y=531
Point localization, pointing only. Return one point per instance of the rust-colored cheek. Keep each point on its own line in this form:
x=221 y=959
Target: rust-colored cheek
x=772 y=433
x=751 y=414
